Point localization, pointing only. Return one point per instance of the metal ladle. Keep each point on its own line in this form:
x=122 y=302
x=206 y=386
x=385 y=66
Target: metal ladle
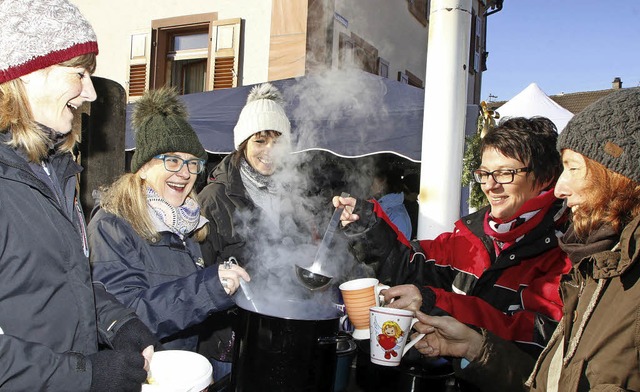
x=313 y=277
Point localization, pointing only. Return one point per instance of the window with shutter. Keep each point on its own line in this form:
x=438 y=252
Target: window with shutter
x=355 y=51
x=192 y=53
x=383 y=67
x=475 y=47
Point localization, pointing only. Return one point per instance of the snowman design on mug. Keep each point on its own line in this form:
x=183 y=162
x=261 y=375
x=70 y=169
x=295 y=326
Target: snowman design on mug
x=388 y=339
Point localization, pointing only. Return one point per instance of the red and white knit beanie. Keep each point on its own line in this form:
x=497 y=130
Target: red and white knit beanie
x=35 y=34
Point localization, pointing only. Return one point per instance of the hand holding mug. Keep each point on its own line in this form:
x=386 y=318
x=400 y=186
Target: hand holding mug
x=446 y=336
x=406 y=296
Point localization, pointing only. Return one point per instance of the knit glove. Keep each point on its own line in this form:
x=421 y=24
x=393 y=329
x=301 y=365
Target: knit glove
x=428 y=299
x=135 y=336
x=117 y=371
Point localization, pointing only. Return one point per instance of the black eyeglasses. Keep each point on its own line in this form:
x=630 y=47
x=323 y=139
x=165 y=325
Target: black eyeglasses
x=502 y=176
x=174 y=164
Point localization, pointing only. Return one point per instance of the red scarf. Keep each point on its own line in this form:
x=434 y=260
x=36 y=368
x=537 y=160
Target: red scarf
x=506 y=233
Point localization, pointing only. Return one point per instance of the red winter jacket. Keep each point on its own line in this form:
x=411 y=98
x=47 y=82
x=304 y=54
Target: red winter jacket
x=514 y=295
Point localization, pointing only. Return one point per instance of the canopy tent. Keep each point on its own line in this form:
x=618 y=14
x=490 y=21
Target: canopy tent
x=532 y=101
x=349 y=113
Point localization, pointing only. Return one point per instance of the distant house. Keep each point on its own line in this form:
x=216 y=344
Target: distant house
x=575 y=102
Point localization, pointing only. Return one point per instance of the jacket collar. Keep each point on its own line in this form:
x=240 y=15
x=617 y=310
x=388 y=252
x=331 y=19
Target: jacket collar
x=14 y=165
x=621 y=257
x=624 y=256
x=227 y=173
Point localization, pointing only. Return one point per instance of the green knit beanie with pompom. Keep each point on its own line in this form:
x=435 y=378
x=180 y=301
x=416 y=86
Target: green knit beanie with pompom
x=160 y=123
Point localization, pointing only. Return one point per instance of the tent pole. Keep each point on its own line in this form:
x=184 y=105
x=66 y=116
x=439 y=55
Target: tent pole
x=444 y=116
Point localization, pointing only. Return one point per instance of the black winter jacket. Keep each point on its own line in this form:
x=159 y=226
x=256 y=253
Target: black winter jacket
x=220 y=199
x=49 y=316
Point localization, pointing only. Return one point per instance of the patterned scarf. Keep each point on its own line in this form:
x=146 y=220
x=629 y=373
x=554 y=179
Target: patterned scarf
x=181 y=220
x=506 y=233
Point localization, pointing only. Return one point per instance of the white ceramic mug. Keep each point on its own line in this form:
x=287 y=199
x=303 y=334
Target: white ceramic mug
x=359 y=295
x=390 y=329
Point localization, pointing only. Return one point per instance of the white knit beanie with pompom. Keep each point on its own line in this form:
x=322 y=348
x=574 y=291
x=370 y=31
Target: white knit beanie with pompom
x=263 y=112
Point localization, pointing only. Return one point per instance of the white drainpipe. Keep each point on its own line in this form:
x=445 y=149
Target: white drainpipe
x=445 y=105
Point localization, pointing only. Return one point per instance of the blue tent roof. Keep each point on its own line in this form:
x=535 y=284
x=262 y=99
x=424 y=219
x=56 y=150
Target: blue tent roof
x=348 y=113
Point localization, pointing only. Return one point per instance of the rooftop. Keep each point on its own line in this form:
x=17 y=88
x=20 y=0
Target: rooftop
x=574 y=102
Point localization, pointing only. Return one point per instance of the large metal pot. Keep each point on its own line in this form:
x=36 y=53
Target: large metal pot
x=285 y=353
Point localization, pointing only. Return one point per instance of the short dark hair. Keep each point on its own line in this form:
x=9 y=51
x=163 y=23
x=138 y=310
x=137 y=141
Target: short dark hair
x=240 y=152
x=532 y=141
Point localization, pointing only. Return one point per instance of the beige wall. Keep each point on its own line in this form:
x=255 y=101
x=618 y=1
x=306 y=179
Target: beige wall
x=288 y=39
x=116 y=20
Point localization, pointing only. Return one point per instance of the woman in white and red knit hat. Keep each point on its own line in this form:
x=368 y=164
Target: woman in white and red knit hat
x=52 y=320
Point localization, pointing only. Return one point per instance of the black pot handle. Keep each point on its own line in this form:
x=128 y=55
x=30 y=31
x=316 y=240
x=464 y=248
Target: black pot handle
x=333 y=339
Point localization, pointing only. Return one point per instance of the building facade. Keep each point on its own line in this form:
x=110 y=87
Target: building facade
x=203 y=45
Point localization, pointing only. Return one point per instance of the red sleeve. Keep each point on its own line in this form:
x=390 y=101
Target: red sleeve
x=459 y=250
x=539 y=296
x=475 y=311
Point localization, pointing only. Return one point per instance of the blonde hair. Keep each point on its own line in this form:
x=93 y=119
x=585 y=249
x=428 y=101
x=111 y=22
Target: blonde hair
x=393 y=325
x=127 y=199
x=16 y=116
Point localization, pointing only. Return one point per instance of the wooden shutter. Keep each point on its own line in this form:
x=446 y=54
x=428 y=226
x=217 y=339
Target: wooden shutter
x=137 y=79
x=225 y=41
x=137 y=82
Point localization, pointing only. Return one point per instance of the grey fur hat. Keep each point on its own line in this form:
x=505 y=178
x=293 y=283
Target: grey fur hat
x=608 y=132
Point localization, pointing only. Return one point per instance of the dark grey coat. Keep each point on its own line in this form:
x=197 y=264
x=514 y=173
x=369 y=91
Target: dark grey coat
x=48 y=316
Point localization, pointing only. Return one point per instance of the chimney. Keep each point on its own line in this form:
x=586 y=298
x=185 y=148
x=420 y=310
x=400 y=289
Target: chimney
x=616 y=84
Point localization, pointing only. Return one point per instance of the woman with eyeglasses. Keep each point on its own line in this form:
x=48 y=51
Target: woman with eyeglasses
x=501 y=266
x=145 y=236
x=596 y=344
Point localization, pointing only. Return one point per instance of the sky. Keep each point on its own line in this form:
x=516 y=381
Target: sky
x=564 y=46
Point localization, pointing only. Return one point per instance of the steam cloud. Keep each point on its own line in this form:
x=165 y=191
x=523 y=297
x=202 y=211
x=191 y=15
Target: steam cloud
x=306 y=187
